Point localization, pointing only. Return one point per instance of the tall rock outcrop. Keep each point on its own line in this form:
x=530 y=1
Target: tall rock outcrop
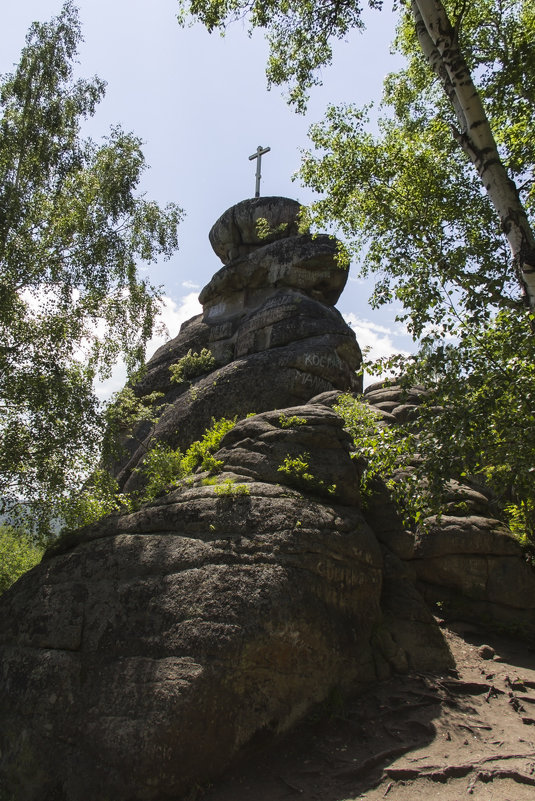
x=147 y=650
x=269 y=321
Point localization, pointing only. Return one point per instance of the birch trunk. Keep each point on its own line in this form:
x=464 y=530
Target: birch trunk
x=439 y=42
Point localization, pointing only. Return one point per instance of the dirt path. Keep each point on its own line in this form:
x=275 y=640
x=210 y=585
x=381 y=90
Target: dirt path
x=466 y=735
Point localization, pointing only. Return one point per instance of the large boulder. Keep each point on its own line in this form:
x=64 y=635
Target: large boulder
x=472 y=566
x=145 y=651
x=464 y=562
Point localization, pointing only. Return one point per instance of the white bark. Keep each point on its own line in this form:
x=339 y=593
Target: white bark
x=439 y=43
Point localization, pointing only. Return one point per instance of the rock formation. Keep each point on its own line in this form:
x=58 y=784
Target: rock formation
x=148 y=649
x=269 y=321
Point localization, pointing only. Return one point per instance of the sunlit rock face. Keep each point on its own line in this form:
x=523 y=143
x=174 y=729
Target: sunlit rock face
x=252 y=224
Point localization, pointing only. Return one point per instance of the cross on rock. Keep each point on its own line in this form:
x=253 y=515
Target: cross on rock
x=258 y=156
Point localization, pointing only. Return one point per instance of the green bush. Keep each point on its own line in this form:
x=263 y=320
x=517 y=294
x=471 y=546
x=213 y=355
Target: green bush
x=266 y=231
x=388 y=452
x=99 y=497
x=124 y=413
x=191 y=365
x=199 y=453
x=291 y=422
x=298 y=473
x=165 y=466
x=228 y=487
x=18 y=554
x=162 y=468
x=297 y=468
x=521 y=520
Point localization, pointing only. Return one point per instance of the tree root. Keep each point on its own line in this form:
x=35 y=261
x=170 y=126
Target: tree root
x=458 y=771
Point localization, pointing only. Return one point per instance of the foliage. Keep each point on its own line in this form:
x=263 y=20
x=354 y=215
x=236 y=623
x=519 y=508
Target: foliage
x=73 y=229
x=408 y=200
x=18 y=554
x=125 y=412
x=191 y=365
x=264 y=230
x=297 y=471
x=484 y=429
x=386 y=453
x=99 y=497
x=521 y=520
x=299 y=34
x=412 y=210
x=297 y=467
x=374 y=441
x=200 y=453
x=229 y=488
x=164 y=466
x=477 y=424
x=291 y=422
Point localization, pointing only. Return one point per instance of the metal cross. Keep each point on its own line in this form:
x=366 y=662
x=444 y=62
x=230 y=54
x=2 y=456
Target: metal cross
x=258 y=156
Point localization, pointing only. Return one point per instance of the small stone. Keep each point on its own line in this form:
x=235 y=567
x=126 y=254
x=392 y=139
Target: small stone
x=486 y=652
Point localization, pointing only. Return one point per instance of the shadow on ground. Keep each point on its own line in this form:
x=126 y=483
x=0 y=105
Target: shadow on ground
x=412 y=737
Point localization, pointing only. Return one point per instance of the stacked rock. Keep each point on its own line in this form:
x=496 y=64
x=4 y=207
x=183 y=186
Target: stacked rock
x=148 y=650
x=269 y=322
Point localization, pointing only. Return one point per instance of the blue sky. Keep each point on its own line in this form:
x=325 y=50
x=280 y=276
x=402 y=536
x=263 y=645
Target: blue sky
x=200 y=104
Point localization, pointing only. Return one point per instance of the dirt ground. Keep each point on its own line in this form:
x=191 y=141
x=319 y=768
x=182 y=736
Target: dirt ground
x=469 y=734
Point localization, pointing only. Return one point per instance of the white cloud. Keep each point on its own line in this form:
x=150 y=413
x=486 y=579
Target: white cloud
x=378 y=340
x=190 y=285
x=171 y=317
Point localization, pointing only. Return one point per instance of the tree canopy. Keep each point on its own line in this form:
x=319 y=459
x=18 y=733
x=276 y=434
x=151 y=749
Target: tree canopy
x=73 y=230
x=446 y=44
x=438 y=206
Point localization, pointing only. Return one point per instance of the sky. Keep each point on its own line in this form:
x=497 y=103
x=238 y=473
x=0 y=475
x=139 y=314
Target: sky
x=201 y=106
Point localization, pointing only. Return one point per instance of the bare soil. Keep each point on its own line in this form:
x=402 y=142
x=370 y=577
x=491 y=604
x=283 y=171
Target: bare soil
x=469 y=734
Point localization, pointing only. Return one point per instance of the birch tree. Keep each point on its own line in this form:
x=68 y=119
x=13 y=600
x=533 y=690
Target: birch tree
x=73 y=229
x=438 y=205
x=439 y=39
x=301 y=35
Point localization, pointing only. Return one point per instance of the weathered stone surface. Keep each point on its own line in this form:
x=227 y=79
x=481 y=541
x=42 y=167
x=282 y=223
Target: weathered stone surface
x=409 y=620
x=170 y=636
x=147 y=650
x=258 y=447
x=236 y=232
x=394 y=393
x=269 y=323
x=260 y=381
x=505 y=580
x=194 y=335
x=478 y=559
x=463 y=499
x=301 y=262
x=464 y=535
x=475 y=566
